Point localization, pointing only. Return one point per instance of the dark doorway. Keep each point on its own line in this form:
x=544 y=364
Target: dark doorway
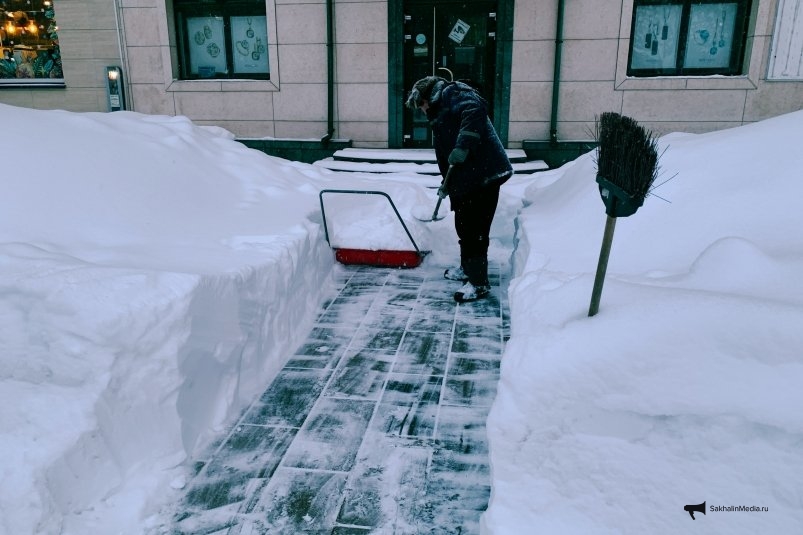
x=454 y=40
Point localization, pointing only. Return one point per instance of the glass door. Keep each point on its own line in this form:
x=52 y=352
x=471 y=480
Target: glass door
x=453 y=40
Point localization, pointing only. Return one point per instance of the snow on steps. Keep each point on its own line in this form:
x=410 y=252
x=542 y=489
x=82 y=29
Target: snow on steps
x=419 y=161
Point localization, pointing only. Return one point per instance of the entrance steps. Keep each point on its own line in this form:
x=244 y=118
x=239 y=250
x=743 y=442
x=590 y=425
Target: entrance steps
x=419 y=161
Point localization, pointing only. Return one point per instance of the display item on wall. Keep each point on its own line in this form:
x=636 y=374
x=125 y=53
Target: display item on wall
x=207 y=46
x=250 y=37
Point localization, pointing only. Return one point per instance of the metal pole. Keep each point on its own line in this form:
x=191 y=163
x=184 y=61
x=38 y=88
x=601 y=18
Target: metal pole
x=602 y=265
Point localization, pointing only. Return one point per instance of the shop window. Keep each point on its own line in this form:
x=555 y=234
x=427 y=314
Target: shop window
x=688 y=37
x=222 y=39
x=29 y=43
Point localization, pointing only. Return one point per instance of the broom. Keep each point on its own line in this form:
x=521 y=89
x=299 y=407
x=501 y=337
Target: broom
x=627 y=165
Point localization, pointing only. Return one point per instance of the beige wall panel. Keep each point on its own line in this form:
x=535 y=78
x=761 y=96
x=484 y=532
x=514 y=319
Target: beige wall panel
x=302 y=63
x=217 y=106
x=85 y=15
x=576 y=130
x=362 y=102
x=589 y=60
x=145 y=65
x=152 y=99
x=583 y=101
x=141 y=3
x=23 y=98
x=361 y=22
x=363 y=131
x=662 y=128
x=300 y=102
x=362 y=63
x=300 y=2
x=533 y=61
x=300 y=129
x=530 y=101
x=701 y=106
x=773 y=98
x=300 y=23
x=88 y=44
x=142 y=27
x=534 y=20
x=519 y=131
x=244 y=129
x=77 y=100
x=592 y=19
x=86 y=73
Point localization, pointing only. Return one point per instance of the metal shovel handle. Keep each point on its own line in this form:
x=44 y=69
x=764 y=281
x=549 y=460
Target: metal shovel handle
x=443 y=186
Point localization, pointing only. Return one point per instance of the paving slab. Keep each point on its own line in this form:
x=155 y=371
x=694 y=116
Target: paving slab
x=375 y=425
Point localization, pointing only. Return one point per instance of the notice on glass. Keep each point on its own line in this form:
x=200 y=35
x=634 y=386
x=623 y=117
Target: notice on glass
x=459 y=31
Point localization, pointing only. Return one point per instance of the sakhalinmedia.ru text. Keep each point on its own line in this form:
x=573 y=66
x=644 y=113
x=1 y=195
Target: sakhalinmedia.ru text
x=731 y=508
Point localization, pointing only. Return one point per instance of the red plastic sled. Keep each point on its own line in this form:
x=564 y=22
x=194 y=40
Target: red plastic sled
x=379 y=258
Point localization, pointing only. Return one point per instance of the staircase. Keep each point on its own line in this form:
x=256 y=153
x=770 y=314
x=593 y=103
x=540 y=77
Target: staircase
x=419 y=161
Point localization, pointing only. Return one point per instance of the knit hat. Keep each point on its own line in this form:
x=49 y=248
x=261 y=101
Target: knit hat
x=422 y=90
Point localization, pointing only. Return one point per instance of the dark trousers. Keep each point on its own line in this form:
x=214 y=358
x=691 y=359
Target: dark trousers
x=473 y=215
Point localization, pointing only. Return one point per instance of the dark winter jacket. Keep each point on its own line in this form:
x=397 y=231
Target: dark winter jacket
x=459 y=119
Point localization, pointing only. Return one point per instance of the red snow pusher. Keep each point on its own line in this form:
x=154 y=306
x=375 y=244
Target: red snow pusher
x=380 y=258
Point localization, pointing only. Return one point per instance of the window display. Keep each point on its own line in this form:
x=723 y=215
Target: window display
x=710 y=36
x=29 y=46
x=207 y=46
x=250 y=38
x=658 y=28
x=688 y=37
x=222 y=39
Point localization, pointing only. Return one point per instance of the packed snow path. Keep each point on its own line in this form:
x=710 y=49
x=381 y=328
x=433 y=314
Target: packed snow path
x=375 y=426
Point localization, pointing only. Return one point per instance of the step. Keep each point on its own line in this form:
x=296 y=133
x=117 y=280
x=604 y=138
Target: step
x=332 y=164
x=405 y=155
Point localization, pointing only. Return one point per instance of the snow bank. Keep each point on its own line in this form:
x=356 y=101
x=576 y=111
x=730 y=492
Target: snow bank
x=149 y=292
x=685 y=388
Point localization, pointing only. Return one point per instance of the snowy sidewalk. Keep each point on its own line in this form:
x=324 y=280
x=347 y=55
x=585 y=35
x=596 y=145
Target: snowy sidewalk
x=375 y=426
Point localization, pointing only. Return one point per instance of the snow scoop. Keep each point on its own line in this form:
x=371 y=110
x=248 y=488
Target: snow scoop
x=370 y=257
x=440 y=199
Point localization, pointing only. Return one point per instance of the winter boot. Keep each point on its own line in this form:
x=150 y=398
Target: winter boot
x=455 y=274
x=476 y=270
x=469 y=292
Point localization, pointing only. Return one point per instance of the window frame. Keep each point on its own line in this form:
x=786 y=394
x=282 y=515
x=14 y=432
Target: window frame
x=736 y=60
x=218 y=9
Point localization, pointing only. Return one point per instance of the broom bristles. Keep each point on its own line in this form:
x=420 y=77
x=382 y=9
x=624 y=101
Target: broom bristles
x=627 y=154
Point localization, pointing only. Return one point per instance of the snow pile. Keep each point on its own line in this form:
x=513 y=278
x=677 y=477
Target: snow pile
x=685 y=388
x=154 y=277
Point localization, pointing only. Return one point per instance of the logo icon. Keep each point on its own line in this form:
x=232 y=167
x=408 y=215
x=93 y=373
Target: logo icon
x=700 y=508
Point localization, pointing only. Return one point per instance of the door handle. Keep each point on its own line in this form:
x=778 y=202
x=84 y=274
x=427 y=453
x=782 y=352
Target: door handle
x=451 y=74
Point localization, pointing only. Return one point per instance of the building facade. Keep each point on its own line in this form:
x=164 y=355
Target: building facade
x=323 y=69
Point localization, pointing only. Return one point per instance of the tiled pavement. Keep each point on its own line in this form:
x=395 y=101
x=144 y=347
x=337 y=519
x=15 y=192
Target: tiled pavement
x=375 y=426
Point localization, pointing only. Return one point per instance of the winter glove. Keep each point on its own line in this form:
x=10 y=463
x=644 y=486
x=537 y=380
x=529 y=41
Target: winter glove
x=442 y=193
x=457 y=156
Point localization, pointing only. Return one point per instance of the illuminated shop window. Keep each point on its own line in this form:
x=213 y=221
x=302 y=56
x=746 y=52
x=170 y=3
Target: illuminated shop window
x=222 y=39
x=29 y=43
x=688 y=37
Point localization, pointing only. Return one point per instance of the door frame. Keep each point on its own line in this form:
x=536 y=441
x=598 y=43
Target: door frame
x=397 y=92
